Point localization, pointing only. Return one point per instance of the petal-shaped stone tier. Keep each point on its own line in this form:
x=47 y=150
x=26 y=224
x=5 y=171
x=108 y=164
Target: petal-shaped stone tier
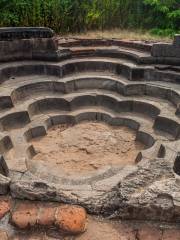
x=120 y=87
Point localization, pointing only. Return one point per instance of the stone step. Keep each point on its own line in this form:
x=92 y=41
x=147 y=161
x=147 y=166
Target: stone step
x=113 y=52
x=76 y=42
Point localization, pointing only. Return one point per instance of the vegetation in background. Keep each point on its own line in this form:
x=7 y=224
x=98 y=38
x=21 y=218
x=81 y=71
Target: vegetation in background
x=166 y=16
x=161 y=17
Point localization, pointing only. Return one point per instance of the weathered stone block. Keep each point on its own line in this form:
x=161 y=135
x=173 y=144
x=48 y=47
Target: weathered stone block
x=27 y=44
x=177 y=40
x=11 y=33
x=165 y=50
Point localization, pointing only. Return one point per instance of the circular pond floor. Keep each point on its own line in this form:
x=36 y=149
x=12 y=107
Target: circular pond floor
x=86 y=147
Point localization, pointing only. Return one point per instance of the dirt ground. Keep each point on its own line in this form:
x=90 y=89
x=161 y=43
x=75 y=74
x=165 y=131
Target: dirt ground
x=87 y=147
x=109 y=230
x=99 y=229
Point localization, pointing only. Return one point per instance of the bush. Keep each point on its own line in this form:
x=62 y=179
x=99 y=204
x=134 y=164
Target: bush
x=168 y=32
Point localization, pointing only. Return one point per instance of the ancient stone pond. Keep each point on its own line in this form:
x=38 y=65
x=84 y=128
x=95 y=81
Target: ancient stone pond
x=90 y=122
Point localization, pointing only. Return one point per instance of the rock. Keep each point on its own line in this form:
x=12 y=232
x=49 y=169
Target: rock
x=4 y=184
x=34 y=190
x=4 y=207
x=71 y=219
x=25 y=215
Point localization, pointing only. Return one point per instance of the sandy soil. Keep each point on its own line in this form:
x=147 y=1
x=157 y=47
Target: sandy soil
x=87 y=147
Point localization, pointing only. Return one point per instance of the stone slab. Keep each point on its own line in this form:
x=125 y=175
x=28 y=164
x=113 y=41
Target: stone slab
x=11 y=33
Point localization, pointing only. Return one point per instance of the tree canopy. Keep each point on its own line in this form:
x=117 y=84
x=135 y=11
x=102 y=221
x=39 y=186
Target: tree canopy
x=80 y=15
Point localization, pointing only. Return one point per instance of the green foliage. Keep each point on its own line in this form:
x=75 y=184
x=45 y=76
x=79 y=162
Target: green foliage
x=166 y=12
x=168 y=32
x=81 y=15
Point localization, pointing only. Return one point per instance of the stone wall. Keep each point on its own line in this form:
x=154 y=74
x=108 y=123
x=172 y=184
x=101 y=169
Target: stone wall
x=28 y=44
x=167 y=50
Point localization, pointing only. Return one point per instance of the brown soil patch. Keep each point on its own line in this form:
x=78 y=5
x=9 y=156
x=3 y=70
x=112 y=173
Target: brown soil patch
x=87 y=147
